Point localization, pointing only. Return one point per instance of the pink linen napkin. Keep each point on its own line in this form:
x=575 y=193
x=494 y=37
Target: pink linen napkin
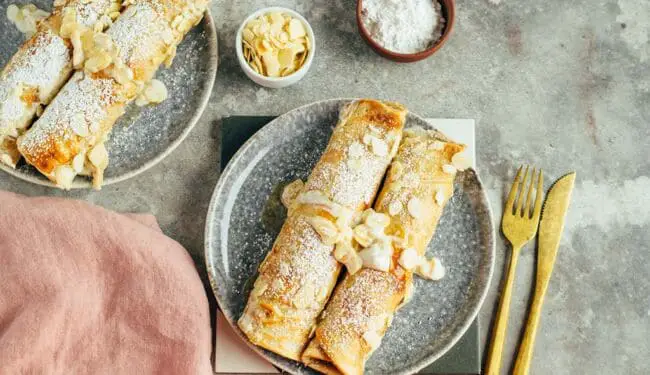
x=84 y=290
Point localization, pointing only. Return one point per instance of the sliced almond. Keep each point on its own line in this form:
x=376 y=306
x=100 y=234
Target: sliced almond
x=68 y=21
x=97 y=62
x=298 y=48
x=354 y=264
x=78 y=162
x=356 y=150
x=431 y=269
x=141 y=101
x=275 y=29
x=77 y=49
x=377 y=221
x=409 y=259
x=379 y=147
x=98 y=156
x=78 y=125
x=253 y=24
x=286 y=57
x=156 y=91
x=291 y=192
x=248 y=35
x=64 y=176
x=271 y=63
x=363 y=235
x=415 y=208
x=13 y=13
x=276 y=18
x=296 y=29
x=325 y=229
x=264 y=27
x=395 y=207
x=376 y=257
x=287 y=71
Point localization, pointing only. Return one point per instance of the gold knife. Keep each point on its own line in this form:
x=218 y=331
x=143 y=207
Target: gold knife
x=550 y=232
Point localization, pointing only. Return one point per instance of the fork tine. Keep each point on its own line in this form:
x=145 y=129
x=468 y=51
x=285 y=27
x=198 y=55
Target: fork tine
x=538 y=198
x=526 y=210
x=520 y=201
x=513 y=192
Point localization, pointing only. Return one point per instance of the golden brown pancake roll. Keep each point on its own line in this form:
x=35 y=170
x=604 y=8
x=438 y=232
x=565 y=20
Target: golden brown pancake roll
x=418 y=185
x=299 y=273
x=41 y=66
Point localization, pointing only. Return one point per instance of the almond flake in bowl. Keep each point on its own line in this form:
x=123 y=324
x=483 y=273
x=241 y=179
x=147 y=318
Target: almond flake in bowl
x=275 y=47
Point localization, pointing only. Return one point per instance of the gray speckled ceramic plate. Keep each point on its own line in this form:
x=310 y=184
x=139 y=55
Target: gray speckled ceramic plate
x=245 y=216
x=143 y=136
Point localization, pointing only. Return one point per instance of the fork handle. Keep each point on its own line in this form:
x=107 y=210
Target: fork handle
x=525 y=355
x=501 y=323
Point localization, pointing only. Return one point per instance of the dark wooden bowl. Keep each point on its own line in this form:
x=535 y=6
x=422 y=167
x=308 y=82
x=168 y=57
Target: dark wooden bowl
x=448 y=9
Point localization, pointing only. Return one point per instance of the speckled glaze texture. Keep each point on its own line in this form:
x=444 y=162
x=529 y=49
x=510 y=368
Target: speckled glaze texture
x=144 y=135
x=245 y=215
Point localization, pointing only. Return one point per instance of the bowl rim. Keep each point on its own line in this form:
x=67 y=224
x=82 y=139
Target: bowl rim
x=240 y=50
x=449 y=26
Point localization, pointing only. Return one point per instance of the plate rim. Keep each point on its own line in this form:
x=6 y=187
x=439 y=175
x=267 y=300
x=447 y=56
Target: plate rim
x=213 y=64
x=208 y=235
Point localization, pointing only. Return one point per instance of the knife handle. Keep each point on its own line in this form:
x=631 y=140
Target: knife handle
x=525 y=355
x=493 y=365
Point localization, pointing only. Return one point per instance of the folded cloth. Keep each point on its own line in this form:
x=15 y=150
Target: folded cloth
x=84 y=290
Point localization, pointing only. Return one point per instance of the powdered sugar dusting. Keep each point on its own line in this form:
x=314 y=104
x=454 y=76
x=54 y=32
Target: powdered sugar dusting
x=308 y=260
x=42 y=64
x=81 y=95
x=358 y=306
x=361 y=304
x=344 y=181
x=138 y=32
x=146 y=124
x=300 y=271
x=89 y=12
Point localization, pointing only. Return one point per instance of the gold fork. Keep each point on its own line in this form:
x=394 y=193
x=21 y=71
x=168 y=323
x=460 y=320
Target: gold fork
x=519 y=225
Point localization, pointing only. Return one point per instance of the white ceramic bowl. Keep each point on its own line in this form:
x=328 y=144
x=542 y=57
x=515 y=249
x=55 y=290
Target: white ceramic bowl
x=275 y=82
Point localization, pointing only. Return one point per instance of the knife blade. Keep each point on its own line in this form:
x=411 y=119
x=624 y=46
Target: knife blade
x=550 y=232
x=552 y=224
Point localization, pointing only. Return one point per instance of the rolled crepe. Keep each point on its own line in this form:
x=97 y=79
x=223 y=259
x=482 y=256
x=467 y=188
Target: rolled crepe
x=299 y=273
x=40 y=67
x=69 y=137
x=418 y=185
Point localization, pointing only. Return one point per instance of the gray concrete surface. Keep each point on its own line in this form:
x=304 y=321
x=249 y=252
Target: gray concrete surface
x=563 y=85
